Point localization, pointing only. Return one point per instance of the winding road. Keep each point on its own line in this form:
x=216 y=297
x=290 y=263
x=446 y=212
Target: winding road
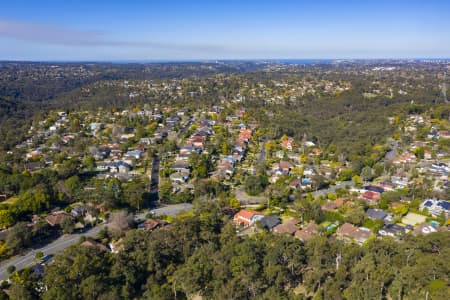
x=56 y=246
x=67 y=240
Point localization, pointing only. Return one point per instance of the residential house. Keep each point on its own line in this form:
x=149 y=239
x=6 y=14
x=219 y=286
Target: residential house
x=119 y=167
x=400 y=180
x=94 y=244
x=444 y=134
x=152 y=224
x=130 y=160
x=247 y=217
x=79 y=211
x=288 y=143
x=374 y=188
x=436 y=207
x=309 y=171
x=245 y=134
x=307 y=232
x=286 y=166
x=181 y=166
x=146 y=141
x=137 y=154
x=376 y=214
x=295 y=184
x=188 y=149
x=371 y=197
x=38 y=270
x=350 y=232
x=329 y=206
x=424 y=229
x=180 y=177
x=289 y=227
x=56 y=218
x=269 y=222
x=392 y=230
x=405 y=158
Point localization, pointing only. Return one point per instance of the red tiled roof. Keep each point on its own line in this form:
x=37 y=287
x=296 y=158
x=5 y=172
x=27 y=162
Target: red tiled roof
x=371 y=195
x=245 y=134
x=56 y=218
x=244 y=216
x=285 y=165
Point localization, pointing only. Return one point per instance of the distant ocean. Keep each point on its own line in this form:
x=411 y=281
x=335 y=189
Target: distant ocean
x=301 y=61
x=284 y=61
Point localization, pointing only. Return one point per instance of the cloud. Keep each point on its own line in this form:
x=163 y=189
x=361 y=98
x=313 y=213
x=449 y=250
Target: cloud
x=61 y=36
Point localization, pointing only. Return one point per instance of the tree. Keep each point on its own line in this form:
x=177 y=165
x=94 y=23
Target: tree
x=120 y=222
x=201 y=165
x=254 y=185
x=68 y=225
x=34 y=200
x=6 y=218
x=19 y=238
x=69 y=168
x=357 y=180
x=10 y=269
x=367 y=173
x=78 y=273
x=39 y=255
x=72 y=186
x=89 y=162
x=234 y=203
x=355 y=216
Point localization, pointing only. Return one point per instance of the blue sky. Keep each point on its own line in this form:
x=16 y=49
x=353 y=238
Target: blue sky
x=109 y=30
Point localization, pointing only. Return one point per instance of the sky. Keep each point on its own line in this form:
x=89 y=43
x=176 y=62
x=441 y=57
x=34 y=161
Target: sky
x=108 y=30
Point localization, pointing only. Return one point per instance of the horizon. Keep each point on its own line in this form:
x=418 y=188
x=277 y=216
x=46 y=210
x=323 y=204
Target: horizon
x=173 y=30
x=229 y=60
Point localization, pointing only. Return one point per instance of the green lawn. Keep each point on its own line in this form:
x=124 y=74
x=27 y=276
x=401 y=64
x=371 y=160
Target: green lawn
x=11 y=200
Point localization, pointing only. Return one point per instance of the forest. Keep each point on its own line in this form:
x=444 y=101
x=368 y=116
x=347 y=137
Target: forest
x=201 y=254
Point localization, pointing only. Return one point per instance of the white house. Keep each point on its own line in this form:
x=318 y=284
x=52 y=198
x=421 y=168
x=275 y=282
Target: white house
x=436 y=207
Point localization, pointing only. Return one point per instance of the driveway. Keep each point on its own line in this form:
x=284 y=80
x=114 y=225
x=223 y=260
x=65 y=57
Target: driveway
x=333 y=188
x=169 y=210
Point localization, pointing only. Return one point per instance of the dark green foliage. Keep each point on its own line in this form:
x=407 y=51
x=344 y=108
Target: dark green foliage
x=254 y=185
x=199 y=255
x=19 y=238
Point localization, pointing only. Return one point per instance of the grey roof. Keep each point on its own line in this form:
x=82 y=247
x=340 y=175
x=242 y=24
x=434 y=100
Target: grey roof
x=394 y=228
x=38 y=269
x=444 y=204
x=428 y=203
x=376 y=214
x=269 y=222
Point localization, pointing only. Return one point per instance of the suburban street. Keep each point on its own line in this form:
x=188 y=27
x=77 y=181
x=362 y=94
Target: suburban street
x=393 y=152
x=262 y=153
x=56 y=246
x=154 y=179
x=186 y=127
x=65 y=241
